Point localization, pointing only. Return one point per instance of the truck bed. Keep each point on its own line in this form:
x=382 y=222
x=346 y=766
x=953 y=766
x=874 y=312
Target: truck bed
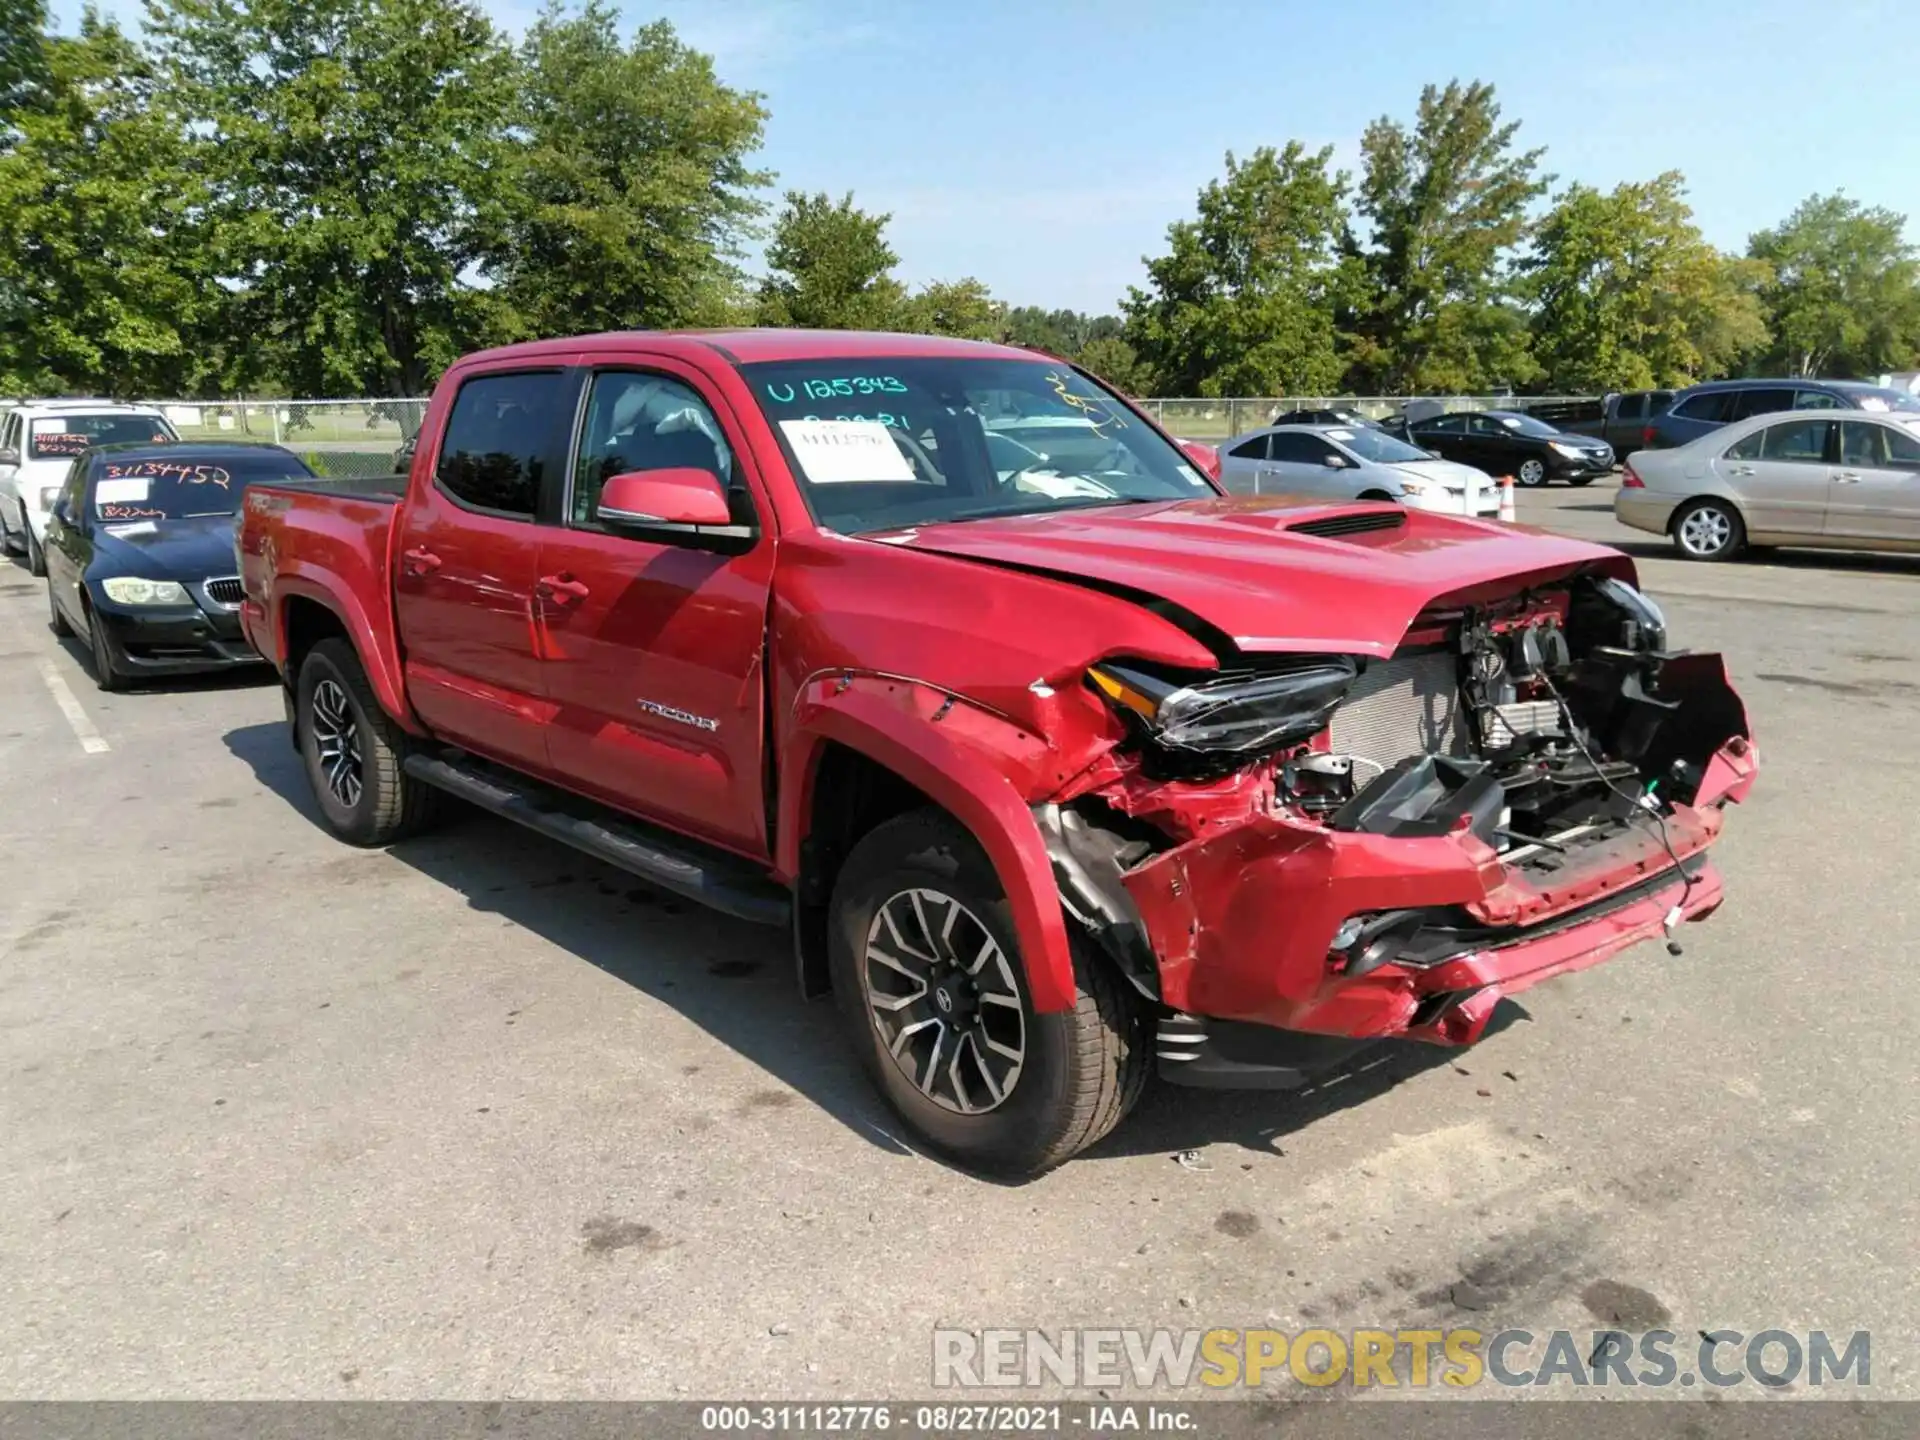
x=321 y=537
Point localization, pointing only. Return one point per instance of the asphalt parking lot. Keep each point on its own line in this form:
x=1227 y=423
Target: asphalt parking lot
x=478 y=1118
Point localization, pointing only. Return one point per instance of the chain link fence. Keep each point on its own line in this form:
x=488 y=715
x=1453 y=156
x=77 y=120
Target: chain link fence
x=353 y=438
x=1224 y=418
x=336 y=438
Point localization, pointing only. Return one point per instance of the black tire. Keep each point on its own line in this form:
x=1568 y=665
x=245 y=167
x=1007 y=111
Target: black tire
x=1082 y=1069
x=36 y=557
x=1581 y=481
x=1709 y=530
x=106 y=670
x=1532 y=473
x=383 y=803
x=56 y=617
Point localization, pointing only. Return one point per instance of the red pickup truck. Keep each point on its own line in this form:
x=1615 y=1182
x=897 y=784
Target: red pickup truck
x=1062 y=765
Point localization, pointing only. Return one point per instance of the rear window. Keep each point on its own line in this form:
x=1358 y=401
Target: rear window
x=1748 y=403
x=1630 y=407
x=61 y=437
x=499 y=437
x=1254 y=449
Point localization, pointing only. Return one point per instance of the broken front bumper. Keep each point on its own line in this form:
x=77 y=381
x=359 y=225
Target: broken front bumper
x=1243 y=924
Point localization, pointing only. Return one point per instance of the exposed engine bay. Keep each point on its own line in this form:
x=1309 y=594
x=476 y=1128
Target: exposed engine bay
x=1550 y=732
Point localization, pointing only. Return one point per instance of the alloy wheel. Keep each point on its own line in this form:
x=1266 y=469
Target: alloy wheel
x=1707 y=531
x=945 y=1001
x=1533 y=472
x=336 y=739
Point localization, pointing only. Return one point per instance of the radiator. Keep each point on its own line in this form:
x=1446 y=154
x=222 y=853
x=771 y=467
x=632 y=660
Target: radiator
x=1405 y=706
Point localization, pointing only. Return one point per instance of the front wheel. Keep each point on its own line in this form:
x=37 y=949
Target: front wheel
x=1532 y=473
x=106 y=668
x=1709 y=530
x=354 y=752
x=36 y=557
x=933 y=992
x=56 y=618
x=1583 y=480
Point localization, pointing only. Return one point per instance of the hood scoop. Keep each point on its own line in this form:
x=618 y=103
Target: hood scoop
x=1335 y=527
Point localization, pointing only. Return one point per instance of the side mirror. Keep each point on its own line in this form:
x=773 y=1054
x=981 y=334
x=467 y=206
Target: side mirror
x=681 y=496
x=9 y=457
x=1206 y=458
x=62 y=511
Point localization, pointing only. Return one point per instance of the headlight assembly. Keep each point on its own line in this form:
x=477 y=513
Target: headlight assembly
x=1647 y=622
x=1572 y=452
x=49 y=494
x=1236 y=715
x=130 y=590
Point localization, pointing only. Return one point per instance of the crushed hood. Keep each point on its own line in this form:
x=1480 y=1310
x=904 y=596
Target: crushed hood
x=1240 y=568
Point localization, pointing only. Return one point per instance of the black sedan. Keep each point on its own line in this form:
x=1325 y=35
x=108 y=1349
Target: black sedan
x=140 y=556
x=1506 y=442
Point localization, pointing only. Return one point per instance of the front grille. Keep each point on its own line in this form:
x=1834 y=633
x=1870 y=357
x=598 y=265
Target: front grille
x=1409 y=705
x=225 y=591
x=1333 y=527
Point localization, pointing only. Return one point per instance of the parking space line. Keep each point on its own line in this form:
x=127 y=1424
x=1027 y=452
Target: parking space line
x=89 y=735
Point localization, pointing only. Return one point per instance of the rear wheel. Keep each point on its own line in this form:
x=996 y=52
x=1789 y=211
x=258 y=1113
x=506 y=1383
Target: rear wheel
x=354 y=752
x=1532 y=472
x=933 y=993
x=1708 y=530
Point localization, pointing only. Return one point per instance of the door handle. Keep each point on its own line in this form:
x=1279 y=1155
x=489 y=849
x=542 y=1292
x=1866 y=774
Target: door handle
x=562 y=589
x=1847 y=477
x=1743 y=470
x=420 y=561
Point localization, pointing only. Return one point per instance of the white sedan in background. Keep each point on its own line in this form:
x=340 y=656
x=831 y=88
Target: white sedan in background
x=1350 y=463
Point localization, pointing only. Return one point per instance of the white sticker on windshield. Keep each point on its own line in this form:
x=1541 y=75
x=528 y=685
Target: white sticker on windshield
x=120 y=492
x=841 y=452
x=1339 y=434
x=1873 y=402
x=50 y=427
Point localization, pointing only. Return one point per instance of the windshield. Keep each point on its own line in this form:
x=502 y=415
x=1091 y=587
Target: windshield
x=183 y=489
x=879 y=444
x=1526 y=425
x=1378 y=446
x=65 y=436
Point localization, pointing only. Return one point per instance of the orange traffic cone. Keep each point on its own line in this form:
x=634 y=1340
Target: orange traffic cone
x=1507 y=511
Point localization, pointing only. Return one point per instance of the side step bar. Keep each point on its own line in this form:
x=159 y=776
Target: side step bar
x=709 y=877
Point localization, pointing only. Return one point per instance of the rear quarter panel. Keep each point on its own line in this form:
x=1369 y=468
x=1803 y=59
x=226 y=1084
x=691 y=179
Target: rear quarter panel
x=335 y=550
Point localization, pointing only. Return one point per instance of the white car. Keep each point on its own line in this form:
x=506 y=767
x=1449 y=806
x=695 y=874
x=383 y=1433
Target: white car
x=38 y=442
x=1353 y=464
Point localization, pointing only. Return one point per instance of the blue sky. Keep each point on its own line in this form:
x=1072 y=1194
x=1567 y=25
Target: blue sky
x=1044 y=145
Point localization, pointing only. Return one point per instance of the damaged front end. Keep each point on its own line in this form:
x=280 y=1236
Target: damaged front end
x=1299 y=854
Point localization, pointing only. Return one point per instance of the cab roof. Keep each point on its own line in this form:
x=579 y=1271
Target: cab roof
x=748 y=347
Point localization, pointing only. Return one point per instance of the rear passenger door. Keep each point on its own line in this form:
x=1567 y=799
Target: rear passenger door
x=1876 y=485
x=653 y=649
x=1296 y=465
x=1780 y=474
x=1239 y=467
x=469 y=552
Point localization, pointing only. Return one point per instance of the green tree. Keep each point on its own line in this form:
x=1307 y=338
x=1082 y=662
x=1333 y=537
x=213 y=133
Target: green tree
x=965 y=308
x=1844 y=292
x=1114 y=361
x=102 y=276
x=23 y=64
x=1628 y=294
x=1244 y=302
x=629 y=192
x=355 y=153
x=831 y=268
x=1448 y=204
x=1062 y=332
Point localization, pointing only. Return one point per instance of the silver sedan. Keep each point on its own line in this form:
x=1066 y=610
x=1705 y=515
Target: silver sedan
x=1837 y=480
x=1352 y=463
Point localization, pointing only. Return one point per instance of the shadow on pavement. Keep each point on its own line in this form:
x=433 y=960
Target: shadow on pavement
x=735 y=980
